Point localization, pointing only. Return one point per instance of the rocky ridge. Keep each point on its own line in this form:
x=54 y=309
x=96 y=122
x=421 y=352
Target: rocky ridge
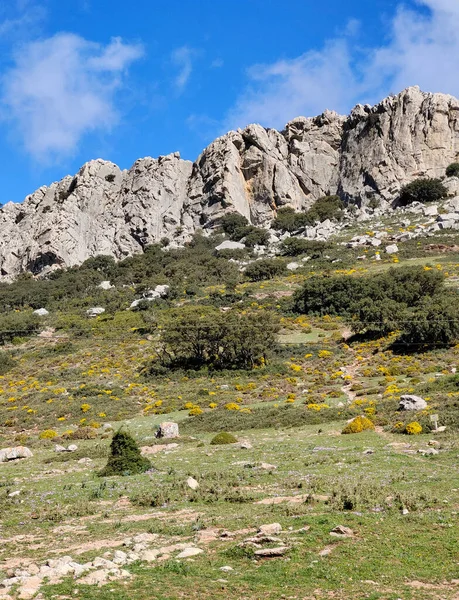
x=365 y=158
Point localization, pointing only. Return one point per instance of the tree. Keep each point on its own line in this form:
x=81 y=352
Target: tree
x=435 y=322
x=125 y=457
x=193 y=337
x=234 y=225
x=422 y=190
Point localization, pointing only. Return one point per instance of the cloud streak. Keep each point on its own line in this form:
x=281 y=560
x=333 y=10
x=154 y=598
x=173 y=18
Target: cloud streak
x=182 y=60
x=422 y=49
x=61 y=88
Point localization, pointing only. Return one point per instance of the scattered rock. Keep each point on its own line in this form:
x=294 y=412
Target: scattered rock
x=41 y=312
x=410 y=402
x=167 y=430
x=7 y=454
x=189 y=552
x=229 y=245
x=226 y=569
x=192 y=483
x=95 y=311
x=271 y=552
x=270 y=529
x=342 y=531
x=392 y=249
x=148 y=450
x=105 y=285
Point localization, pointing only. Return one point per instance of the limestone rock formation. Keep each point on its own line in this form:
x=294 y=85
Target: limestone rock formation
x=104 y=210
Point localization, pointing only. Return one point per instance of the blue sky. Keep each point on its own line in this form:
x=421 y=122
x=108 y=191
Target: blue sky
x=120 y=80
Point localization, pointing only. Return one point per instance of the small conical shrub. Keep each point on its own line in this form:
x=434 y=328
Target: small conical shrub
x=223 y=438
x=125 y=457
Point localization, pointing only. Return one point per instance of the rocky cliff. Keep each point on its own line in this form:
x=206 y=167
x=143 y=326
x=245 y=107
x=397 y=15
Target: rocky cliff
x=103 y=210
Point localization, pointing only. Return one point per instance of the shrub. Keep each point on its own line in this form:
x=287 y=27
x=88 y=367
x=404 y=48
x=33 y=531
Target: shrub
x=358 y=425
x=6 y=363
x=422 y=190
x=452 y=170
x=234 y=224
x=82 y=433
x=256 y=236
x=223 y=438
x=287 y=219
x=195 y=337
x=327 y=207
x=48 y=434
x=125 y=457
x=267 y=268
x=295 y=246
x=413 y=428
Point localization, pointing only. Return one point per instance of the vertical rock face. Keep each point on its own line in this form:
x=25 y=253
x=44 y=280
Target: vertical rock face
x=404 y=137
x=254 y=171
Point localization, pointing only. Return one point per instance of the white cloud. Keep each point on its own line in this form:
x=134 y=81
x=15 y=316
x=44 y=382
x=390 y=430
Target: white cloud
x=304 y=85
x=182 y=59
x=61 y=88
x=422 y=49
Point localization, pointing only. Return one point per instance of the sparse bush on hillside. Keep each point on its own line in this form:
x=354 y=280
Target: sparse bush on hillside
x=295 y=246
x=434 y=323
x=267 y=268
x=452 y=170
x=422 y=190
x=6 y=362
x=125 y=457
x=18 y=324
x=196 y=336
x=327 y=207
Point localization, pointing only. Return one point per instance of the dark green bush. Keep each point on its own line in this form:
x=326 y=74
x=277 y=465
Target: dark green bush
x=452 y=170
x=125 y=457
x=194 y=337
x=223 y=438
x=267 y=268
x=422 y=190
x=294 y=246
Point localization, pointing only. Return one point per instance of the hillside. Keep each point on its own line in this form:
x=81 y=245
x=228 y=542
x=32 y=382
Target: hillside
x=365 y=158
x=302 y=337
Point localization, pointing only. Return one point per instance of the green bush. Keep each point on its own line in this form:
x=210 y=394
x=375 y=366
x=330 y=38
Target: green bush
x=194 y=337
x=125 y=457
x=287 y=219
x=6 y=362
x=267 y=268
x=294 y=246
x=327 y=207
x=223 y=438
x=452 y=170
x=422 y=190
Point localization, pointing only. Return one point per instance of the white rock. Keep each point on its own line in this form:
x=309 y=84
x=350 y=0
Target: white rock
x=105 y=285
x=189 y=552
x=95 y=312
x=293 y=266
x=229 y=245
x=41 y=312
x=411 y=402
x=7 y=454
x=192 y=483
x=392 y=249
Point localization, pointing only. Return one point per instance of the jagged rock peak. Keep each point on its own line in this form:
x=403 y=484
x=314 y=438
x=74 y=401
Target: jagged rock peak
x=104 y=210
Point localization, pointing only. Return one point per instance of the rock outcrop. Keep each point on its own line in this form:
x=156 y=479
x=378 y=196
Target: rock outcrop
x=104 y=210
